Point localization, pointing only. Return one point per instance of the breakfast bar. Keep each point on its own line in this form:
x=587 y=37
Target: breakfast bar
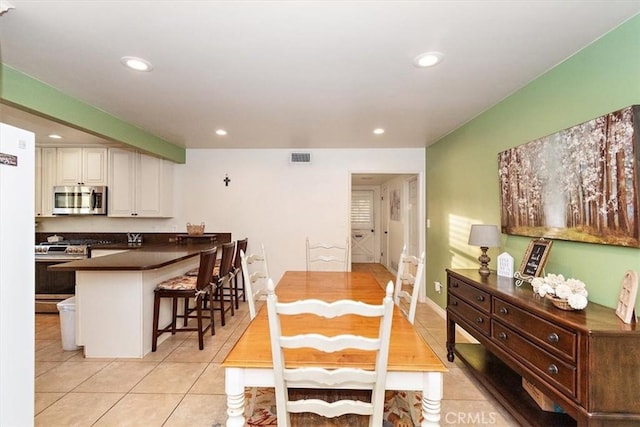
x=114 y=297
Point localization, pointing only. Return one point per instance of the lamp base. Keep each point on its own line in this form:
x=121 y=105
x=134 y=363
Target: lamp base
x=484 y=262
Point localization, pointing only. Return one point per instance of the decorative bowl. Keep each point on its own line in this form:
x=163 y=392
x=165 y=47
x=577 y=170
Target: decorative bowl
x=560 y=303
x=194 y=229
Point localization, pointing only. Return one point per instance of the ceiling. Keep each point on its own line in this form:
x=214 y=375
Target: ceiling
x=294 y=74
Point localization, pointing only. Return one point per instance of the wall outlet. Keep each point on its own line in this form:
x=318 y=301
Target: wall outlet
x=438 y=286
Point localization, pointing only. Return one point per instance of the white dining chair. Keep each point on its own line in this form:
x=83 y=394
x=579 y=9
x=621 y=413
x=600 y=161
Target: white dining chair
x=255 y=272
x=408 y=282
x=327 y=256
x=345 y=378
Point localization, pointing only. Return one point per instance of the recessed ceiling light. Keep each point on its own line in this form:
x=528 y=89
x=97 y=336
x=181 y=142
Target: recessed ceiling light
x=221 y=132
x=378 y=131
x=55 y=136
x=427 y=59
x=137 y=64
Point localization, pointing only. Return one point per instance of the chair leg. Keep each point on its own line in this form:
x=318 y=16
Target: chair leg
x=156 y=315
x=174 y=315
x=186 y=311
x=209 y=296
x=199 y=303
x=220 y=297
x=235 y=290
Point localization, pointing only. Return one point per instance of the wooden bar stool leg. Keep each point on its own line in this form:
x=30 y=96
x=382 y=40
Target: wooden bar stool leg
x=174 y=313
x=199 y=303
x=156 y=315
x=186 y=311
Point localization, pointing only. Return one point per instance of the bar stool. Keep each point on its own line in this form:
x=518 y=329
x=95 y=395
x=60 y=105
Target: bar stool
x=187 y=287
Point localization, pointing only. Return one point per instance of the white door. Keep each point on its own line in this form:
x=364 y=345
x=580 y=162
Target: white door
x=384 y=226
x=413 y=217
x=362 y=226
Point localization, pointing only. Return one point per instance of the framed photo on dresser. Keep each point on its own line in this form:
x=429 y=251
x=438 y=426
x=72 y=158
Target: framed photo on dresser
x=535 y=258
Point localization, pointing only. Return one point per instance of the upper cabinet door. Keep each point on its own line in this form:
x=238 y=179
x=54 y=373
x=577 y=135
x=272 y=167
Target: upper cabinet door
x=139 y=185
x=82 y=166
x=94 y=166
x=121 y=191
x=45 y=180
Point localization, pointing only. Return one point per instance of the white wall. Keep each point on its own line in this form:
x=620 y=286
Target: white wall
x=268 y=200
x=271 y=201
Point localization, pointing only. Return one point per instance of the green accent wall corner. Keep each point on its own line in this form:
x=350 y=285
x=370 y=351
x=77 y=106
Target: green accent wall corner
x=461 y=168
x=32 y=95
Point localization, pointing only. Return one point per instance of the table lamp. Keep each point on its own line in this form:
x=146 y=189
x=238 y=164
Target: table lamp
x=485 y=236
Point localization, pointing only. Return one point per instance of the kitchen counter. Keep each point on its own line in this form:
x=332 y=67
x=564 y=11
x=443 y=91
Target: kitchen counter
x=115 y=293
x=136 y=257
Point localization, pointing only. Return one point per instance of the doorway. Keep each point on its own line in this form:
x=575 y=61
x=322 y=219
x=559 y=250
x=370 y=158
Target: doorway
x=376 y=235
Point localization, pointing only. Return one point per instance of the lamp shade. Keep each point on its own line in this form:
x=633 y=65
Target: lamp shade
x=484 y=236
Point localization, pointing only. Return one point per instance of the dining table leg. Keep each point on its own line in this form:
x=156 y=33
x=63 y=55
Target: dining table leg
x=431 y=398
x=234 y=388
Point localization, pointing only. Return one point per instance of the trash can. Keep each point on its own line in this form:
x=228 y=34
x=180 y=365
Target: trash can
x=67 y=309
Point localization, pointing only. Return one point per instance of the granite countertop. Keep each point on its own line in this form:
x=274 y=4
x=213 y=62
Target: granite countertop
x=144 y=257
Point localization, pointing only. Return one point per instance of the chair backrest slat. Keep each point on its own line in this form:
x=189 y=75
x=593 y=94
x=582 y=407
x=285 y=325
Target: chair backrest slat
x=327 y=256
x=286 y=378
x=410 y=271
x=255 y=272
x=205 y=269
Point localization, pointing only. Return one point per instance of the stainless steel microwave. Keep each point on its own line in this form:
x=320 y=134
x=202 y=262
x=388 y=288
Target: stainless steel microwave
x=79 y=200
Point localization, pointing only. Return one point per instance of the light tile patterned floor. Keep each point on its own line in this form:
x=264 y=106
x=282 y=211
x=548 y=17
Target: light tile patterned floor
x=180 y=385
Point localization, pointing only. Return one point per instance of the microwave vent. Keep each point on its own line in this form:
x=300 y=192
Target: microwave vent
x=300 y=158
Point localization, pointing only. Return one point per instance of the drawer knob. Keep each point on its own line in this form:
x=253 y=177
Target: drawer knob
x=553 y=337
x=480 y=298
x=552 y=369
x=454 y=302
x=503 y=310
x=454 y=284
x=479 y=320
x=502 y=335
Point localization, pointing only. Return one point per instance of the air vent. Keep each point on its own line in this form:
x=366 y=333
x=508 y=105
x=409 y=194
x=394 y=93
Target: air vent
x=300 y=158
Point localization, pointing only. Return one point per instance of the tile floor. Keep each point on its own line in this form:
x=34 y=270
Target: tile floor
x=180 y=385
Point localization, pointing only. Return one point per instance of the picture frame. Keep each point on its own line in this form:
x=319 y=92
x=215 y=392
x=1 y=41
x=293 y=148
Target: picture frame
x=535 y=258
x=578 y=184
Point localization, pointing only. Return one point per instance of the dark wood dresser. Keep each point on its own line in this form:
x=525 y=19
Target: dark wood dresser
x=588 y=362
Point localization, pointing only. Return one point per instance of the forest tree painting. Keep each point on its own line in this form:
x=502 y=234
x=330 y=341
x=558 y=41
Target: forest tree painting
x=579 y=184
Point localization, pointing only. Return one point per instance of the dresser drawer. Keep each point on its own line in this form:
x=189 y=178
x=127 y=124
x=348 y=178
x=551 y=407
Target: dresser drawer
x=555 y=371
x=478 y=319
x=474 y=296
x=548 y=335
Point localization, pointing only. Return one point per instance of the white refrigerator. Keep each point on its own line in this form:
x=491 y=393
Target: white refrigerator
x=17 y=231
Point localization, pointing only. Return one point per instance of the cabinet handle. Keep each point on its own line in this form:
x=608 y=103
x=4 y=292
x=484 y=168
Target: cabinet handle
x=503 y=310
x=479 y=320
x=479 y=298
x=454 y=284
x=553 y=337
x=454 y=302
x=502 y=336
x=552 y=369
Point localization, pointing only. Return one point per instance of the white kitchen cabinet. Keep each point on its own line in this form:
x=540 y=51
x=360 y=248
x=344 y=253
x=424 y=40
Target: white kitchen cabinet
x=139 y=185
x=82 y=166
x=44 y=181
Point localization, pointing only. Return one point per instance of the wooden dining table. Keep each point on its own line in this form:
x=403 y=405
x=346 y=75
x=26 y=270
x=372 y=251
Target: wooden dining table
x=412 y=363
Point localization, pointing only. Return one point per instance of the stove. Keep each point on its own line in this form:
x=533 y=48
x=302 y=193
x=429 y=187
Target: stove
x=55 y=286
x=65 y=250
